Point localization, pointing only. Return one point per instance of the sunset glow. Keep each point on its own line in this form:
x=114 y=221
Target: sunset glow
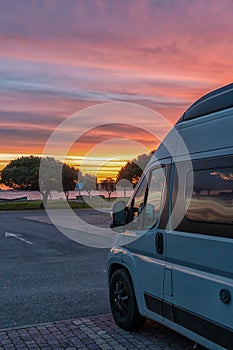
x=59 y=57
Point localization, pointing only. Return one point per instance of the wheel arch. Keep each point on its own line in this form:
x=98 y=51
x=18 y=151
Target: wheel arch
x=135 y=318
x=129 y=265
x=116 y=266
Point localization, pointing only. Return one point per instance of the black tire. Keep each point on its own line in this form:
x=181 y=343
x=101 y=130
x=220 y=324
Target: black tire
x=123 y=302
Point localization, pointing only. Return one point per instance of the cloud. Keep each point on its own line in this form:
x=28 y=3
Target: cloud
x=109 y=33
x=114 y=132
x=58 y=57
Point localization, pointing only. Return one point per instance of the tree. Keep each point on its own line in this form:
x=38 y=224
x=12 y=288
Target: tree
x=125 y=184
x=133 y=170
x=108 y=185
x=39 y=174
x=69 y=179
x=89 y=183
x=49 y=172
x=22 y=173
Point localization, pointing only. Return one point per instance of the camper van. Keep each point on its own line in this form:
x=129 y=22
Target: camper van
x=172 y=261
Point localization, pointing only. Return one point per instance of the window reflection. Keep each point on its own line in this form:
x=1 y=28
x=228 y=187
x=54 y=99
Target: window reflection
x=146 y=205
x=153 y=205
x=212 y=196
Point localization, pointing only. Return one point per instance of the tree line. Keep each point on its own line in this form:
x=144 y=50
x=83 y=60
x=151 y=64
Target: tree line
x=44 y=175
x=34 y=173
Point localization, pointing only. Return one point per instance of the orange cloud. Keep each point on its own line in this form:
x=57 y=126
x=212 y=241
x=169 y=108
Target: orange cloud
x=60 y=57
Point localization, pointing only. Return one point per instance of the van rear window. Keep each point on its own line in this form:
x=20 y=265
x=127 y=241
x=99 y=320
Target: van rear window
x=212 y=196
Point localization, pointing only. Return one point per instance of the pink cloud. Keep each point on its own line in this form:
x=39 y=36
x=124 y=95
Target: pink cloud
x=61 y=56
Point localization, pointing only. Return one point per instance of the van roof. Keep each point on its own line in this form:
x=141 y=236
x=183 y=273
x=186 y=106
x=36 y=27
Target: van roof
x=214 y=101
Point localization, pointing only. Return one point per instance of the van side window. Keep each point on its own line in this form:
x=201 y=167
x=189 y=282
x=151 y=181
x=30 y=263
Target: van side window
x=212 y=196
x=138 y=203
x=146 y=204
x=154 y=197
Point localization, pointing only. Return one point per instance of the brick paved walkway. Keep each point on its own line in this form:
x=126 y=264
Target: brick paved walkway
x=95 y=333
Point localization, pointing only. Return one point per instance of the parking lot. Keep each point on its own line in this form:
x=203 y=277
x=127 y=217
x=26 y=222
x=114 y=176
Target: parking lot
x=60 y=286
x=51 y=279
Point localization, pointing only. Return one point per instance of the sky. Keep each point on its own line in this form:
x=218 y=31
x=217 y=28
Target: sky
x=58 y=57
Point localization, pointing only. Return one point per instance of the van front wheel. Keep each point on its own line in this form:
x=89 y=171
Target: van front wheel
x=123 y=302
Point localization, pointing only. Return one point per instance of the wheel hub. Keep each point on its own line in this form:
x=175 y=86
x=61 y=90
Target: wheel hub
x=118 y=300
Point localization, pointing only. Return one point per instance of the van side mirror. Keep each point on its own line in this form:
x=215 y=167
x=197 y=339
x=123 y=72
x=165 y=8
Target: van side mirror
x=118 y=214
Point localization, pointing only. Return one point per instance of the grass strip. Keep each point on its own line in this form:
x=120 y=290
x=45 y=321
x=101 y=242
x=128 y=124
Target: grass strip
x=59 y=204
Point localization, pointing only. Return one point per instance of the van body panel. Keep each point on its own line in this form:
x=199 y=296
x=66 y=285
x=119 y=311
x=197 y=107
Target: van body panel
x=202 y=267
x=206 y=134
x=149 y=266
x=137 y=264
x=169 y=145
x=189 y=287
x=141 y=256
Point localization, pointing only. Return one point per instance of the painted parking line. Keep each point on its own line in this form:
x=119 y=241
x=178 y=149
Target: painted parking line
x=17 y=236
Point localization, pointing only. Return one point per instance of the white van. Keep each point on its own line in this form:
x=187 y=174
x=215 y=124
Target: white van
x=174 y=261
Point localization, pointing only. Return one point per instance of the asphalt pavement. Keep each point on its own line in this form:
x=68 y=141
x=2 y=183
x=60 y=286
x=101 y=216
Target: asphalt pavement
x=53 y=291
x=44 y=275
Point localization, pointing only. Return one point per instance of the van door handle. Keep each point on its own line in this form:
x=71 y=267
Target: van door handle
x=159 y=243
